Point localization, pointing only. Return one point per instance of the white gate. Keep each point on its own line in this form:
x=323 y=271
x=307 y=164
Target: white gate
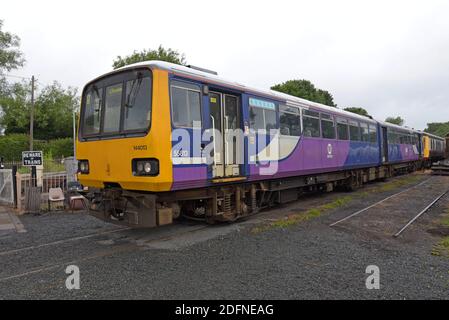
x=6 y=187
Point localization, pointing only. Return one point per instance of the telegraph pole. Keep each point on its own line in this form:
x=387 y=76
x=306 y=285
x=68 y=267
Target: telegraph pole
x=32 y=114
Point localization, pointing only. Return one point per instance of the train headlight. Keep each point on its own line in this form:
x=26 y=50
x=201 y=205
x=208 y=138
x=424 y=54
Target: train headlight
x=83 y=166
x=145 y=167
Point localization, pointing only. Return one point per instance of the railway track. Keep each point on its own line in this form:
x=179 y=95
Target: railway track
x=397 y=234
x=132 y=245
x=52 y=243
x=411 y=221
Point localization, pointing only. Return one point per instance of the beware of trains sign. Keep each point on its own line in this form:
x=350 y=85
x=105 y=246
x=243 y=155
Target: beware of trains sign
x=32 y=158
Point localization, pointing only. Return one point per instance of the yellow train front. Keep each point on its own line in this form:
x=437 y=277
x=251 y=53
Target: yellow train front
x=124 y=144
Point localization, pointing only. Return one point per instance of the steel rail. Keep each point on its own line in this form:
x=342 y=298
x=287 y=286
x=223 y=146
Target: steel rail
x=397 y=234
x=63 y=241
x=377 y=203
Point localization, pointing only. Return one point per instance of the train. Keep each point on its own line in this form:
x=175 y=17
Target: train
x=157 y=141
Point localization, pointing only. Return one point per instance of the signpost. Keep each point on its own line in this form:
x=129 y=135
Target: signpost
x=32 y=158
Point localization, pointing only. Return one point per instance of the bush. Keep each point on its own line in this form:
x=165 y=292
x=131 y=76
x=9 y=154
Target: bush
x=12 y=145
x=60 y=147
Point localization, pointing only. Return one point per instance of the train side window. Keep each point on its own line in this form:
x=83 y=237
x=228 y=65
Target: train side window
x=290 y=121
x=354 y=131
x=185 y=102
x=342 y=129
x=262 y=119
x=393 y=137
x=372 y=133
x=311 y=123
x=256 y=118
x=364 y=131
x=401 y=139
x=270 y=120
x=327 y=126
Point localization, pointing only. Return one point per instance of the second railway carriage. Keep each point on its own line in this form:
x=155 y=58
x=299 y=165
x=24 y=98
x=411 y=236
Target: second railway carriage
x=434 y=148
x=157 y=140
x=400 y=146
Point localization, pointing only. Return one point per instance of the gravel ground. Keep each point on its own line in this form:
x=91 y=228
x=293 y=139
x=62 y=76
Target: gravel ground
x=308 y=260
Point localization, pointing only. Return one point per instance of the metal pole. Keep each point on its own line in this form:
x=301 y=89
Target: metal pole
x=32 y=114
x=14 y=184
x=74 y=135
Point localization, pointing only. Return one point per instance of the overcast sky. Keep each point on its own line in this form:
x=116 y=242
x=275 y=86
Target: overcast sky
x=390 y=57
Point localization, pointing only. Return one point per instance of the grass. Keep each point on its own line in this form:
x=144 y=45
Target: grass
x=296 y=218
x=392 y=185
x=312 y=213
x=445 y=220
x=441 y=248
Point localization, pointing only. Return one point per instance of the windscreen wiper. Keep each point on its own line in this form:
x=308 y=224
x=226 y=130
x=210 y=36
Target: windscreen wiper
x=133 y=91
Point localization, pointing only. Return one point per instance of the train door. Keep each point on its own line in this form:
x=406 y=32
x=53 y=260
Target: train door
x=384 y=145
x=225 y=121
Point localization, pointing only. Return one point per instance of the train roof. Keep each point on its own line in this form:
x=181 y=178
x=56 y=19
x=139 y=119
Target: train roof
x=432 y=135
x=275 y=95
x=392 y=125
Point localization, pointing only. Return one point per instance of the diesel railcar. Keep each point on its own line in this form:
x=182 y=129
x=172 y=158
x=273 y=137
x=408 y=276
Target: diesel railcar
x=434 y=148
x=157 y=140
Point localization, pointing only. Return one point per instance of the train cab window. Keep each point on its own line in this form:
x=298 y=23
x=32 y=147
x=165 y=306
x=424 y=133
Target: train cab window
x=185 y=104
x=92 y=112
x=372 y=133
x=116 y=105
x=290 y=121
x=327 y=126
x=364 y=132
x=354 y=131
x=342 y=129
x=113 y=103
x=137 y=114
x=311 y=123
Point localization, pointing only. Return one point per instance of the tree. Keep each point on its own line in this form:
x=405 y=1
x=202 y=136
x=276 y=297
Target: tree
x=15 y=108
x=306 y=90
x=53 y=110
x=161 y=53
x=395 y=120
x=10 y=55
x=358 y=110
x=438 y=128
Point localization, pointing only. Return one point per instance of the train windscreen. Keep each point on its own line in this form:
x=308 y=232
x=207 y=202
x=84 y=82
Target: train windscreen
x=117 y=105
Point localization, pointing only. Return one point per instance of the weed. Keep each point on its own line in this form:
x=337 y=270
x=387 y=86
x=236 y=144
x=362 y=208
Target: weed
x=296 y=218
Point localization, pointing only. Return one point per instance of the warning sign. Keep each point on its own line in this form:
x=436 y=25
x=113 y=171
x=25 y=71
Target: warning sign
x=32 y=158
